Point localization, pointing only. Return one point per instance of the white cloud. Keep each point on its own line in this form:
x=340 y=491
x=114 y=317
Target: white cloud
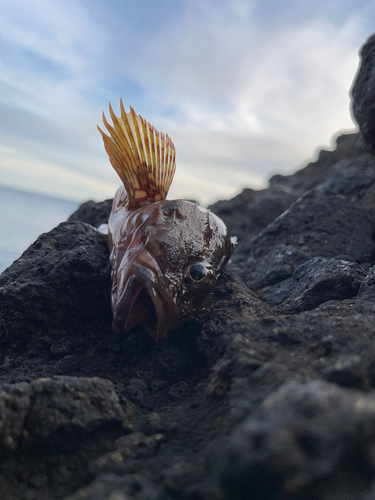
x=240 y=101
x=59 y=31
x=255 y=103
x=30 y=174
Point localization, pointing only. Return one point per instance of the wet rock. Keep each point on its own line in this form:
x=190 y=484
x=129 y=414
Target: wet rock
x=61 y=281
x=67 y=407
x=93 y=213
x=114 y=487
x=14 y=403
x=127 y=448
x=67 y=364
x=347 y=371
x=363 y=94
x=179 y=391
x=367 y=288
x=321 y=225
x=356 y=179
x=314 y=282
x=297 y=445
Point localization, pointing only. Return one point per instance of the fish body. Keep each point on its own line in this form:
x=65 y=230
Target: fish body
x=165 y=255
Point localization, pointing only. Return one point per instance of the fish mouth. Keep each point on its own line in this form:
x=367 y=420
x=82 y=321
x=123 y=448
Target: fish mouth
x=142 y=298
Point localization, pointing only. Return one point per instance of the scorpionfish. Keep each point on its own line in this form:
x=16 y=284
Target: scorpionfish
x=166 y=255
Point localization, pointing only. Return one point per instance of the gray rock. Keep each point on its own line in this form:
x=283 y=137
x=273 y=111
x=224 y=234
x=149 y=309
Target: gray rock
x=62 y=282
x=322 y=224
x=64 y=407
x=114 y=487
x=251 y=211
x=367 y=288
x=298 y=445
x=14 y=404
x=68 y=364
x=347 y=371
x=348 y=151
x=299 y=259
x=355 y=179
x=363 y=94
x=315 y=282
x=179 y=391
x=93 y=213
x=127 y=448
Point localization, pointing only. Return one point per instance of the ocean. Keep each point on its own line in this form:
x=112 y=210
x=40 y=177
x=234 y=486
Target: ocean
x=23 y=217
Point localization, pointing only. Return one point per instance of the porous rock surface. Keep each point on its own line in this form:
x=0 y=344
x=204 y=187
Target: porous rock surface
x=363 y=93
x=268 y=394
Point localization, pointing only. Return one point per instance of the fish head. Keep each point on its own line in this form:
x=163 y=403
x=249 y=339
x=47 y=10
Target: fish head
x=166 y=267
x=165 y=255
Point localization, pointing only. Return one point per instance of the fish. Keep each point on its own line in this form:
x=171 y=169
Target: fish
x=165 y=255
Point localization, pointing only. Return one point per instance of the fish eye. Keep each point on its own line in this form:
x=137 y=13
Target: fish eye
x=197 y=272
x=199 y=275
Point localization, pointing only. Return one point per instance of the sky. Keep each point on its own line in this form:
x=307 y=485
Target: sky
x=245 y=88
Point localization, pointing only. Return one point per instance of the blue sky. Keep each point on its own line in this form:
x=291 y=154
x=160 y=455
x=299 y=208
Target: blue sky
x=245 y=89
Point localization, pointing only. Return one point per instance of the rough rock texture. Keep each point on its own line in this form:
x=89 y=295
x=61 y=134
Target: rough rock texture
x=14 y=403
x=295 y=253
x=363 y=93
x=93 y=213
x=299 y=444
x=251 y=211
x=268 y=394
x=64 y=407
x=61 y=281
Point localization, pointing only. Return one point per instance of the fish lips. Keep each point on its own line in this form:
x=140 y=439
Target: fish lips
x=142 y=298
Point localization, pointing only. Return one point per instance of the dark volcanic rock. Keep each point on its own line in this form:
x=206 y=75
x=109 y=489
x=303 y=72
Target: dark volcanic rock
x=49 y=410
x=314 y=282
x=299 y=444
x=251 y=211
x=347 y=371
x=348 y=152
x=55 y=319
x=322 y=224
x=93 y=213
x=289 y=259
x=60 y=282
x=367 y=288
x=14 y=403
x=114 y=487
x=268 y=394
x=363 y=94
x=65 y=407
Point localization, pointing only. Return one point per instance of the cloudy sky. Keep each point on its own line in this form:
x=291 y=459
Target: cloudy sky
x=245 y=88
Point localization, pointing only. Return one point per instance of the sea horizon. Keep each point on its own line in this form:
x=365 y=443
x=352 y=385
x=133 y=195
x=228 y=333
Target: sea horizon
x=24 y=215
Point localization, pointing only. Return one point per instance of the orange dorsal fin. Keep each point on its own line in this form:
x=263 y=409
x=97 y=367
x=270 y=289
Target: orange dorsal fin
x=144 y=159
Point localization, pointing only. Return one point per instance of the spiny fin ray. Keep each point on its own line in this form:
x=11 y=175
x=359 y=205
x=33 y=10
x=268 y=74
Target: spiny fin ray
x=144 y=159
